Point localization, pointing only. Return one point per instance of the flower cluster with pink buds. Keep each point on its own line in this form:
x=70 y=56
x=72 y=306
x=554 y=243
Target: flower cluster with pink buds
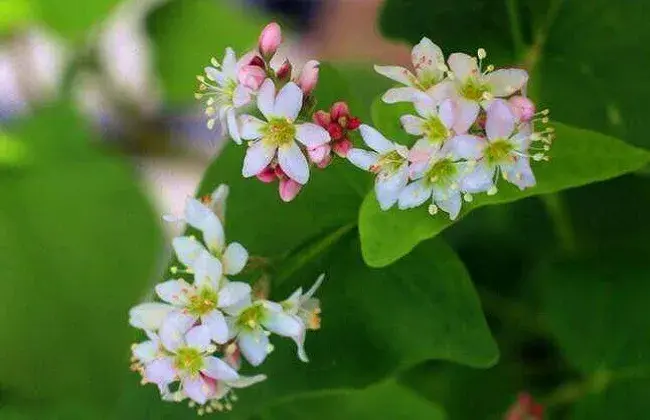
x=206 y=322
x=271 y=108
x=474 y=125
x=525 y=408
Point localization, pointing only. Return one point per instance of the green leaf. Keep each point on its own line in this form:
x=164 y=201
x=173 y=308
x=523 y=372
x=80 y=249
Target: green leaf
x=386 y=119
x=388 y=400
x=73 y=19
x=572 y=70
x=578 y=157
x=15 y=14
x=595 y=308
x=187 y=33
x=79 y=245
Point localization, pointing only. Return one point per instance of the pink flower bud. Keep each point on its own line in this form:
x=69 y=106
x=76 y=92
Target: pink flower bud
x=257 y=61
x=322 y=118
x=335 y=130
x=289 y=189
x=340 y=110
x=251 y=76
x=353 y=123
x=319 y=153
x=309 y=76
x=526 y=408
x=342 y=147
x=325 y=162
x=522 y=107
x=267 y=175
x=284 y=72
x=270 y=39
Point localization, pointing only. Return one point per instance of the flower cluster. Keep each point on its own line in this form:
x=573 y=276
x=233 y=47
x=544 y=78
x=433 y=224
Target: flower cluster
x=525 y=408
x=271 y=109
x=474 y=125
x=206 y=321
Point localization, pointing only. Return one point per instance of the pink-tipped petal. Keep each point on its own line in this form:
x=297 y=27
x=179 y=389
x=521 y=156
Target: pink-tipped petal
x=522 y=107
x=318 y=153
x=289 y=189
x=251 y=76
x=267 y=175
x=309 y=76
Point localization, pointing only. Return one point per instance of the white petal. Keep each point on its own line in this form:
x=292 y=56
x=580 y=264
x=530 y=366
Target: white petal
x=246 y=381
x=149 y=316
x=218 y=200
x=500 y=121
x=198 y=338
x=300 y=343
x=251 y=127
x=258 y=157
x=173 y=291
x=266 y=98
x=173 y=329
x=215 y=75
x=425 y=106
x=234 y=258
x=519 y=173
x=477 y=178
x=449 y=202
x=293 y=162
x=229 y=64
x=233 y=293
x=216 y=323
x=362 y=158
x=218 y=369
x=241 y=96
x=388 y=187
x=463 y=66
x=281 y=323
x=160 y=371
x=466 y=147
x=375 y=140
x=414 y=195
x=233 y=128
x=197 y=389
x=313 y=288
x=447 y=112
x=441 y=91
x=187 y=249
x=146 y=351
x=311 y=135
x=412 y=124
x=288 y=102
x=427 y=59
x=398 y=74
x=505 y=82
x=196 y=213
x=254 y=346
x=213 y=234
x=403 y=94
x=466 y=113
x=207 y=270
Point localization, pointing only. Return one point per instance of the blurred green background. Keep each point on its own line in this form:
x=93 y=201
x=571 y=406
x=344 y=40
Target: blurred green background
x=100 y=135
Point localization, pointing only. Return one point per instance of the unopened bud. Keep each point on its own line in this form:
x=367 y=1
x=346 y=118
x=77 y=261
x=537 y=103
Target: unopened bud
x=289 y=189
x=270 y=39
x=340 y=110
x=522 y=107
x=309 y=76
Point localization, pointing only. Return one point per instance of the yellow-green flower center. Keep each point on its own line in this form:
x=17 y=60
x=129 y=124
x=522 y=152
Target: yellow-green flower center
x=390 y=162
x=473 y=90
x=442 y=172
x=189 y=360
x=203 y=302
x=435 y=130
x=498 y=151
x=251 y=318
x=279 y=131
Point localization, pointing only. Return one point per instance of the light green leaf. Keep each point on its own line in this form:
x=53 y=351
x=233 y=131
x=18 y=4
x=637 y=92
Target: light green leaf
x=187 y=33
x=79 y=246
x=73 y=19
x=387 y=400
x=578 y=157
x=15 y=14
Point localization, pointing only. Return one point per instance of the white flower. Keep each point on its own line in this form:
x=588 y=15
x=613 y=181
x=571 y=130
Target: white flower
x=251 y=323
x=205 y=298
x=306 y=309
x=188 y=359
x=429 y=64
x=215 y=202
x=279 y=132
x=504 y=150
x=149 y=316
x=226 y=94
x=233 y=257
x=441 y=178
x=473 y=87
x=388 y=160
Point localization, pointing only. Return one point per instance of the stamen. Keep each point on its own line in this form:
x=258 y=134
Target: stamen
x=433 y=209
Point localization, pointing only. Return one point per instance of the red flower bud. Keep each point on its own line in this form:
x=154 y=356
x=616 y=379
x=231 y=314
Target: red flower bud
x=340 y=110
x=335 y=130
x=284 y=72
x=257 y=61
x=322 y=118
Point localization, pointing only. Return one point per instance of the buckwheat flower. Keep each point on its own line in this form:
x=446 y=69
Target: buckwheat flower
x=148 y=316
x=233 y=257
x=188 y=360
x=388 y=160
x=429 y=64
x=224 y=94
x=525 y=408
x=505 y=151
x=472 y=86
x=205 y=299
x=306 y=309
x=251 y=323
x=278 y=134
x=440 y=180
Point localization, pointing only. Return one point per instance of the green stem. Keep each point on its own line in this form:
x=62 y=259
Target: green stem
x=557 y=211
x=515 y=27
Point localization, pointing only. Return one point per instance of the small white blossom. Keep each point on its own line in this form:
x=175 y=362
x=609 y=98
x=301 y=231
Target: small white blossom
x=388 y=160
x=305 y=308
x=276 y=137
